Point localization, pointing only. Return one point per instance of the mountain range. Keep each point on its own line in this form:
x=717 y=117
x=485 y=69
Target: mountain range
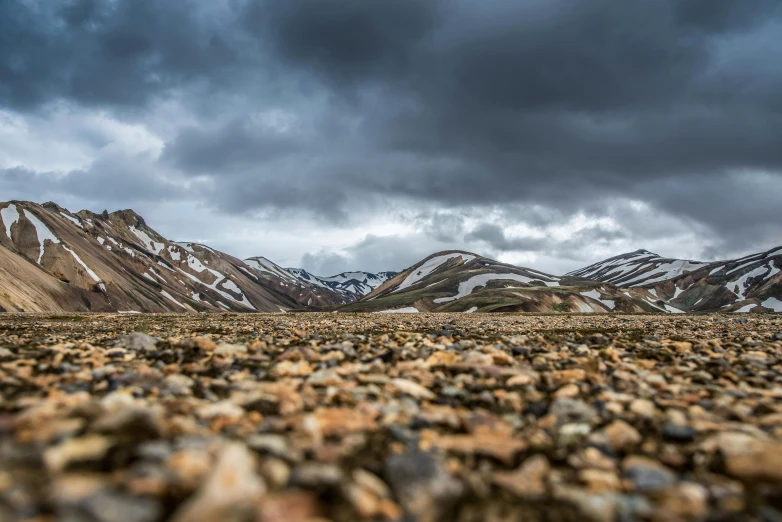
x=53 y=260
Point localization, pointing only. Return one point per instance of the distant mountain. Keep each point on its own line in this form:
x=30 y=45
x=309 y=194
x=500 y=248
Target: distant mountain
x=351 y=284
x=311 y=294
x=54 y=260
x=751 y=283
x=457 y=281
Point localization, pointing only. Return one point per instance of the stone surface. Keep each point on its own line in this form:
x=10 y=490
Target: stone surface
x=335 y=417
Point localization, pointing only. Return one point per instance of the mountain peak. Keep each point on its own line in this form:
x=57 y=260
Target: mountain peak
x=129 y=217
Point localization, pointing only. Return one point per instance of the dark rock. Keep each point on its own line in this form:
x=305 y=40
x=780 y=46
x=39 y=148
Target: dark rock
x=422 y=485
x=678 y=433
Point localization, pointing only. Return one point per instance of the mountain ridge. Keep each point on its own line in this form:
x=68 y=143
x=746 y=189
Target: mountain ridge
x=57 y=260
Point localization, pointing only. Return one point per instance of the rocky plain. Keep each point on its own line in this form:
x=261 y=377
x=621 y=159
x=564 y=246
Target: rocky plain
x=420 y=417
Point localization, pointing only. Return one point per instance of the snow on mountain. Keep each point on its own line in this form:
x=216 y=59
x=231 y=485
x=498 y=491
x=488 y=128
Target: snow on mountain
x=353 y=284
x=680 y=285
x=54 y=260
x=639 y=268
x=115 y=261
x=456 y=281
x=429 y=266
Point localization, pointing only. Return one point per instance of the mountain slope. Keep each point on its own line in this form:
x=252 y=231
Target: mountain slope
x=456 y=281
x=639 y=268
x=115 y=262
x=751 y=283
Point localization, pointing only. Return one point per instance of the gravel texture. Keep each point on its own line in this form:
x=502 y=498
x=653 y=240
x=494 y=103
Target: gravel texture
x=427 y=417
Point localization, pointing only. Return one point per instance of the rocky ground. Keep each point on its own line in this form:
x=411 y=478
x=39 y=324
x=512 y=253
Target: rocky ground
x=140 y=418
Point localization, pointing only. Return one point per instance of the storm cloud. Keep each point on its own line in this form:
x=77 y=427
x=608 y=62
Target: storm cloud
x=545 y=133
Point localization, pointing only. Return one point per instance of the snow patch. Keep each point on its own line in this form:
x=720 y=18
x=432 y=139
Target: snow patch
x=471 y=310
x=744 y=309
x=739 y=286
x=171 y=298
x=406 y=310
x=594 y=294
x=72 y=219
x=147 y=241
x=92 y=274
x=467 y=287
x=773 y=270
x=428 y=267
x=773 y=303
x=43 y=233
x=10 y=216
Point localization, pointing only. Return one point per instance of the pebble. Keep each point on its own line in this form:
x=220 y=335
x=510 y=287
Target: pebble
x=316 y=416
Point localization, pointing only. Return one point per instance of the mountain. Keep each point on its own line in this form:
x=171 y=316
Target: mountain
x=457 y=281
x=311 y=293
x=639 y=268
x=751 y=283
x=352 y=285
x=54 y=260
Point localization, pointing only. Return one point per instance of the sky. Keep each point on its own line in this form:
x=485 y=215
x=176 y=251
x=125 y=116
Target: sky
x=366 y=135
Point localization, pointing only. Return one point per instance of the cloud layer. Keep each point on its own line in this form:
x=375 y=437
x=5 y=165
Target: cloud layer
x=368 y=134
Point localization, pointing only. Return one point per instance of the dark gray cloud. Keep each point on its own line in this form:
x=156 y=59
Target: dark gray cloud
x=494 y=236
x=115 y=53
x=541 y=111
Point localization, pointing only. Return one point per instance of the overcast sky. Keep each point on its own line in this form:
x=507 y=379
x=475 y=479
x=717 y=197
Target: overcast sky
x=368 y=134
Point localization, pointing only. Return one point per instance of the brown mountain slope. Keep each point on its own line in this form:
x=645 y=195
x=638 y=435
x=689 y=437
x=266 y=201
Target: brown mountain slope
x=115 y=262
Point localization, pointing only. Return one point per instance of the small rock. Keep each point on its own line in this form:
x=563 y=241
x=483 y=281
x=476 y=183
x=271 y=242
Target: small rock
x=643 y=408
x=136 y=342
x=200 y=343
x=572 y=411
x=521 y=379
x=288 y=368
x=422 y=485
x=89 y=448
x=325 y=378
x=230 y=492
x=413 y=389
x=647 y=474
x=686 y=501
x=229 y=350
x=290 y=506
x=750 y=459
x=595 y=508
x=568 y=391
x=528 y=481
x=621 y=435
x=678 y=433
x=600 y=481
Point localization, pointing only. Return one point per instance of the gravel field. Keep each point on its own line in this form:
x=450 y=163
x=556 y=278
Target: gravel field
x=426 y=417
